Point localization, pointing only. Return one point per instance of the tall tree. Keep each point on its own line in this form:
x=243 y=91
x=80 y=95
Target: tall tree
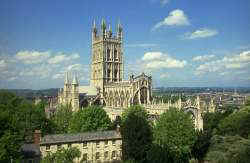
x=174 y=131
x=201 y=145
x=237 y=123
x=136 y=134
x=62 y=119
x=92 y=118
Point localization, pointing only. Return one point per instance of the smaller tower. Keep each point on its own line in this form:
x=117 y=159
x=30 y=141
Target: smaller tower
x=103 y=28
x=75 y=94
x=110 y=32
x=119 y=31
x=66 y=89
x=94 y=31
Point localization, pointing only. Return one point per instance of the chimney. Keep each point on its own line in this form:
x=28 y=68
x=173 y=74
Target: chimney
x=118 y=128
x=37 y=137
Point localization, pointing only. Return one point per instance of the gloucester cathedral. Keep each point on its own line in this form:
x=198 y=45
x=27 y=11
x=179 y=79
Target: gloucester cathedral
x=107 y=85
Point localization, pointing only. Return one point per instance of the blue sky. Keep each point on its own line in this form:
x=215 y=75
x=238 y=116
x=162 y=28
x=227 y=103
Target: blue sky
x=179 y=43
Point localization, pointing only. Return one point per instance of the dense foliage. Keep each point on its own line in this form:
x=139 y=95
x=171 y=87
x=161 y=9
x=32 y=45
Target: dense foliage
x=136 y=134
x=230 y=149
x=62 y=156
x=92 y=118
x=18 y=120
x=62 y=119
x=174 y=132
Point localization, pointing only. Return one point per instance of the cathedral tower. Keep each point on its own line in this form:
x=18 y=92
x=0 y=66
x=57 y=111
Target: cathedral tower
x=107 y=56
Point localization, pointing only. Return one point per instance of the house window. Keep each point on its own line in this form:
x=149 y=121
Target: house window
x=59 y=146
x=97 y=156
x=97 y=144
x=85 y=157
x=113 y=142
x=106 y=143
x=47 y=147
x=30 y=161
x=106 y=154
x=113 y=154
x=84 y=145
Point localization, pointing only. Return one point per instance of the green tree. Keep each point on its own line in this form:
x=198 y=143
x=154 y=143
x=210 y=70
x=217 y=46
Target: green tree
x=62 y=156
x=174 y=131
x=62 y=119
x=11 y=134
x=92 y=118
x=136 y=134
x=237 y=123
x=18 y=120
x=230 y=149
x=201 y=145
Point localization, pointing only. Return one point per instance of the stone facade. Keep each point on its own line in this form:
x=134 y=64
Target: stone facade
x=107 y=75
x=101 y=146
x=107 y=84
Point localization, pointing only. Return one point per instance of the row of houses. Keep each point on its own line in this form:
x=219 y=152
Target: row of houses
x=100 y=146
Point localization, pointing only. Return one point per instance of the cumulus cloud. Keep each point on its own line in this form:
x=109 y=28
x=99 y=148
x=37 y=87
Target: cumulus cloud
x=36 y=68
x=3 y=64
x=62 y=58
x=32 y=57
x=175 y=18
x=159 y=60
x=203 y=58
x=164 y=75
x=201 y=33
x=237 y=61
x=164 y=2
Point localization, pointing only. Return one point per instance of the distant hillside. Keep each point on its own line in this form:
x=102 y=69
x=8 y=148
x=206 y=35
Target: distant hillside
x=30 y=94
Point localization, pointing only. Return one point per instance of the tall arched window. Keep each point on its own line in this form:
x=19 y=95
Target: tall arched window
x=115 y=54
x=108 y=54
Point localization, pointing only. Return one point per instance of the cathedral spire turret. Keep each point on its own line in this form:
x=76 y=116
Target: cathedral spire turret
x=103 y=27
x=119 y=30
x=66 y=81
x=75 y=81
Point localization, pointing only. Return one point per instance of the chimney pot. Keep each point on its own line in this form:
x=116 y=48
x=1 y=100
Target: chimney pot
x=37 y=137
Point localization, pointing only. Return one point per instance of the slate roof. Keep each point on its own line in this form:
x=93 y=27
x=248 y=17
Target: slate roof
x=30 y=150
x=80 y=137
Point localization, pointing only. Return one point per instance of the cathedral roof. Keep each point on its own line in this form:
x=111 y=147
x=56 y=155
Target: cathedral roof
x=88 y=90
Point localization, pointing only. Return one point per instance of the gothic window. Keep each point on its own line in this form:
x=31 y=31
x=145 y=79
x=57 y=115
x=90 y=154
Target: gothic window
x=108 y=73
x=116 y=74
x=115 y=55
x=108 y=54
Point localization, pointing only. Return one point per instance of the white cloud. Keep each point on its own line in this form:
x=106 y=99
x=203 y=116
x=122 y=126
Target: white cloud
x=203 y=58
x=58 y=76
x=152 y=56
x=175 y=18
x=234 y=62
x=164 y=2
x=62 y=58
x=3 y=64
x=32 y=57
x=201 y=33
x=75 y=67
x=158 y=60
x=164 y=76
